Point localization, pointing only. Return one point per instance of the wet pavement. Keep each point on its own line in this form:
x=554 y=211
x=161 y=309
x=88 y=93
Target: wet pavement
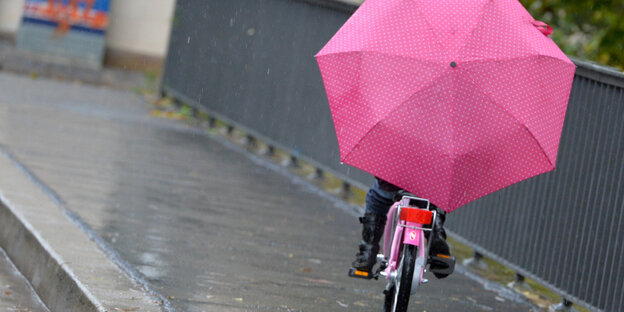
x=209 y=226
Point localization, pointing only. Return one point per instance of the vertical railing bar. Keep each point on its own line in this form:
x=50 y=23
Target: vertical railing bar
x=619 y=283
x=552 y=180
x=535 y=198
x=580 y=197
x=501 y=228
x=604 y=172
x=470 y=220
x=604 y=164
x=505 y=225
x=533 y=236
x=586 y=214
x=497 y=226
x=517 y=226
x=596 y=164
x=611 y=203
x=619 y=204
x=535 y=216
x=576 y=185
x=559 y=183
x=549 y=209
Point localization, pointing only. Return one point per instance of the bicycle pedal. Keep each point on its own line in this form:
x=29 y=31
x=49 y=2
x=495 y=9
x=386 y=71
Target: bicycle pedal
x=442 y=264
x=353 y=272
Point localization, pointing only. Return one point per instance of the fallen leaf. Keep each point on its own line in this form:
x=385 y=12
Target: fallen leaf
x=239 y=299
x=8 y=293
x=360 y=304
x=320 y=300
x=306 y=270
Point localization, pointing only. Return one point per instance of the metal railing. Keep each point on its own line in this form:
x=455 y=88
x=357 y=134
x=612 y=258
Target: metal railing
x=250 y=63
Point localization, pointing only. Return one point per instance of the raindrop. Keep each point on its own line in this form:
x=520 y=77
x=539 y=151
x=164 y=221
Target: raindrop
x=251 y=32
x=232 y=22
x=188 y=40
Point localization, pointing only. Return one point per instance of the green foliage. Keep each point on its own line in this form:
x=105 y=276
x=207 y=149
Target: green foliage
x=589 y=29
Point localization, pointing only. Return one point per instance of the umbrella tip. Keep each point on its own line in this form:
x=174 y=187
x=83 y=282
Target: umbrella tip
x=453 y=64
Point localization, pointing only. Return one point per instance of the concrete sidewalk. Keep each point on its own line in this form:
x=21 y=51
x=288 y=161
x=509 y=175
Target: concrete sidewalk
x=16 y=294
x=195 y=222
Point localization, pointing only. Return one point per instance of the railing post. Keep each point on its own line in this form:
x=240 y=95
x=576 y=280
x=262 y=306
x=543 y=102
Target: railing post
x=290 y=161
x=564 y=306
x=318 y=174
x=266 y=150
x=344 y=190
x=211 y=122
x=476 y=261
x=519 y=283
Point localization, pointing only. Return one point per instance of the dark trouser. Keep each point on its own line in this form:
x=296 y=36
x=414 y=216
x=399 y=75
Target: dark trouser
x=379 y=198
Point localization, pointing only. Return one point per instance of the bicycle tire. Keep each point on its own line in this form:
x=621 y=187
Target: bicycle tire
x=397 y=295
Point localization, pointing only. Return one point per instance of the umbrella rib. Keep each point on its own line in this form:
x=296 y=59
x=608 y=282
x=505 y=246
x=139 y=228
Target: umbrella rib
x=517 y=120
x=475 y=28
x=390 y=112
x=512 y=58
x=439 y=40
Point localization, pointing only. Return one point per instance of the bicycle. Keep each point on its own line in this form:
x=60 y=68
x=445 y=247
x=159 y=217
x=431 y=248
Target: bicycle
x=406 y=252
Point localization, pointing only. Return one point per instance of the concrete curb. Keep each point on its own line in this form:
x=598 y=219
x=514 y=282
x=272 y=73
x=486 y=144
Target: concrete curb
x=66 y=269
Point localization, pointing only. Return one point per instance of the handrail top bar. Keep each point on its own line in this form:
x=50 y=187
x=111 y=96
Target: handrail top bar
x=599 y=72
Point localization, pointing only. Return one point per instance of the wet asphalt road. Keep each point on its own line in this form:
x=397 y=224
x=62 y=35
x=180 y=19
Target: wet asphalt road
x=210 y=227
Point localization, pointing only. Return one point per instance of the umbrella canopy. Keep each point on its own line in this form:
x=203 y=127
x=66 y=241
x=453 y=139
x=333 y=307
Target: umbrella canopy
x=449 y=99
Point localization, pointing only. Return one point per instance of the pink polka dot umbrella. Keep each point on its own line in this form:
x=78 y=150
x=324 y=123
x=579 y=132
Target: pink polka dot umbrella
x=450 y=99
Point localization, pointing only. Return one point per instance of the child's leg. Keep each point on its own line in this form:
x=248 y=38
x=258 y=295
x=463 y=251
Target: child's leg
x=378 y=202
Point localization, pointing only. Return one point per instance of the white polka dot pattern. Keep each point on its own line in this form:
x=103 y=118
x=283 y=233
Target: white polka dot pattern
x=448 y=99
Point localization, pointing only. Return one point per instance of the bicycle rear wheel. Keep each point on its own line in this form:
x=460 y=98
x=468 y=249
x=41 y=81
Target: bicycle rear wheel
x=397 y=295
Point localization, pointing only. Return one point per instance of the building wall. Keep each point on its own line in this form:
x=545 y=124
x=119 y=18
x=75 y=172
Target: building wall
x=140 y=26
x=10 y=15
x=137 y=27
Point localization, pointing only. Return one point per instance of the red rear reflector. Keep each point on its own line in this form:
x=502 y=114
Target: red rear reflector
x=416 y=215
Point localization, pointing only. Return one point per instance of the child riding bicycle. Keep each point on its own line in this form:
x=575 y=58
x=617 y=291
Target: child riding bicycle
x=378 y=201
